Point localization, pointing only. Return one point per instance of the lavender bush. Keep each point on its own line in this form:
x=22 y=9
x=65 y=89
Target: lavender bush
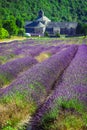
x=73 y=85
x=10 y=70
x=30 y=50
x=45 y=73
x=57 y=48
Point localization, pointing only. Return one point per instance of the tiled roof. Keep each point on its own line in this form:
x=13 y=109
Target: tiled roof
x=62 y=24
x=36 y=24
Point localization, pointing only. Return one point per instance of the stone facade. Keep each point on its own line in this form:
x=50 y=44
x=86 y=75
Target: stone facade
x=43 y=24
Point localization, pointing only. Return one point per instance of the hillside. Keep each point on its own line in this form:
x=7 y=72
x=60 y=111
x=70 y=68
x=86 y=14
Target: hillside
x=56 y=10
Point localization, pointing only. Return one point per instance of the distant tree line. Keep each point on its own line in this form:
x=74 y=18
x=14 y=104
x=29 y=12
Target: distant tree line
x=56 y=10
x=11 y=27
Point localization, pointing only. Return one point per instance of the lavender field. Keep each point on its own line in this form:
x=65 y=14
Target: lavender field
x=43 y=84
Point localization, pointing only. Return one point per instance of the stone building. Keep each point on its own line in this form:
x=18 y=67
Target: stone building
x=42 y=24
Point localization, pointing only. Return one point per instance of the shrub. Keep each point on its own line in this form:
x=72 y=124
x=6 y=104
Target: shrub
x=81 y=29
x=21 y=32
x=73 y=85
x=46 y=34
x=52 y=69
x=3 y=33
x=19 y=22
x=57 y=34
x=11 y=27
x=11 y=69
x=84 y=29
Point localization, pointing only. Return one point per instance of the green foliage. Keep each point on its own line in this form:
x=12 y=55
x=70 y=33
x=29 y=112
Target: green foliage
x=73 y=104
x=81 y=28
x=70 y=120
x=57 y=10
x=51 y=116
x=17 y=104
x=6 y=58
x=57 y=34
x=3 y=59
x=18 y=96
x=4 y=80
x=19 y=22
x=10 y=26
x=37 y=86
x=8 y=127
x=84 y=29
x=46 y=34
x=0 y=24
x=21 y=32
x=3 y=33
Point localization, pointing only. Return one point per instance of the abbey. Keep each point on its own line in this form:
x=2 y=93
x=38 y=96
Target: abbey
x=42 y=25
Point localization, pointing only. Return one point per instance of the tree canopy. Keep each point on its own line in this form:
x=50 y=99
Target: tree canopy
x=56 y=10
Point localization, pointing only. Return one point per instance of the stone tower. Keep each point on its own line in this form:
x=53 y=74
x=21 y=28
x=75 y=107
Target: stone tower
x=40 y=14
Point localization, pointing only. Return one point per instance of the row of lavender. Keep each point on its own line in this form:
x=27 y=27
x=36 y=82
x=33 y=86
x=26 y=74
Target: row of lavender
x=10 y=70
x=39 y=80
x=17 y=46
x=73 y=85
x=30 y=48
x=64 y=74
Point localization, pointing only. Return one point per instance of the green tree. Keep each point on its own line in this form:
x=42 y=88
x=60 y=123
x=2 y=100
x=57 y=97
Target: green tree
x=21 y=32
x=3 y=33
x=11 y=27
x=84 y=29
x=57 y=10
x=46 y=34
x=57 y=34
x=0 y=23
x=81 y=29
x=19 y=22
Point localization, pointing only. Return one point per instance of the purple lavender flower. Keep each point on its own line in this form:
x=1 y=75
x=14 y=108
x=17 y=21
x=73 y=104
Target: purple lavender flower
x=72 y=85
x=74 y=75
x=56 y=49
x=45 y=73
x=11 y=69
x=30 y=50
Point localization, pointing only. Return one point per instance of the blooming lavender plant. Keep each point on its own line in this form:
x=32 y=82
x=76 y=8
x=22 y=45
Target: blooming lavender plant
x=30 y=50
x=45 y=73
x=11 y=47
x=73 y=85
x=11 y=69
x=55 y=49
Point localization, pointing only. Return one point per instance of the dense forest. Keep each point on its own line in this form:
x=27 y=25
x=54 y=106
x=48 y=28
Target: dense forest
x=56 y=10
x=16 y=12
